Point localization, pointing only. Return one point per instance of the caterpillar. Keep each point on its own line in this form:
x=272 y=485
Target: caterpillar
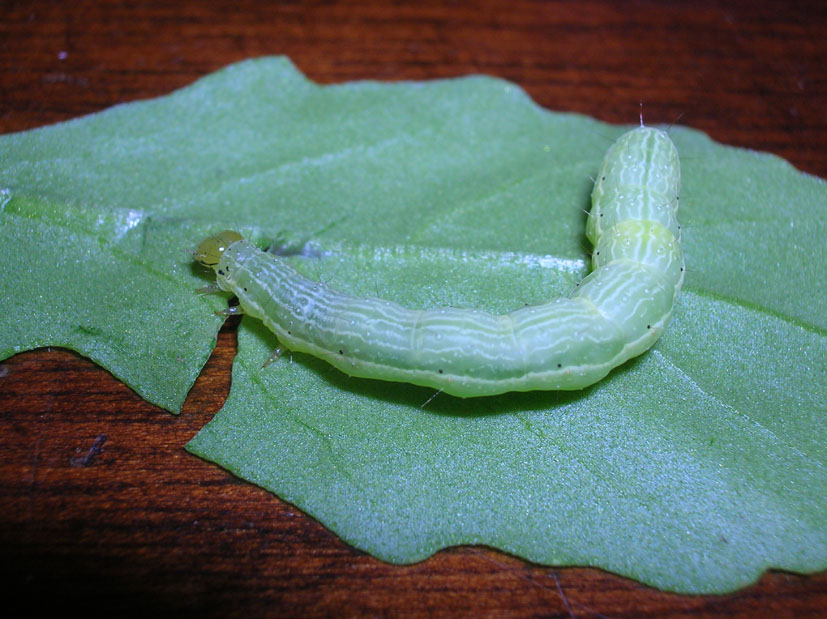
x=616 y=312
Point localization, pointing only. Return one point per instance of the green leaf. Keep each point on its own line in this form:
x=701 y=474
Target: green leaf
x=692 y=468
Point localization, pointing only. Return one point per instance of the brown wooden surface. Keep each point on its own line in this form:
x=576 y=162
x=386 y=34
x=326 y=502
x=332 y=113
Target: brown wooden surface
x=102 y=509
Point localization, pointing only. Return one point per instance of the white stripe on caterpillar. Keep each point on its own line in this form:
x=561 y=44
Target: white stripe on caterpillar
x=617 y=312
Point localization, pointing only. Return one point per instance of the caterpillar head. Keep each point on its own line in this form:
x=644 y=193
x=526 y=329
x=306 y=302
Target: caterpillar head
x=210 y=250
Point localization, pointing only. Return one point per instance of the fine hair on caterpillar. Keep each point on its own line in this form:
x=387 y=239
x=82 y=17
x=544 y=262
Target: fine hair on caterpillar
x=616 y=312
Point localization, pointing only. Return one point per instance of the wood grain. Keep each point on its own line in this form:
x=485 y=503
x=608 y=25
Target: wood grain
x=102 y=510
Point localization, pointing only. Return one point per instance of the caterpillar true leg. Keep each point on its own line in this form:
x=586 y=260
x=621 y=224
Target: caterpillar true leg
x=233 y=310
x=277 y=352
x=208 y=289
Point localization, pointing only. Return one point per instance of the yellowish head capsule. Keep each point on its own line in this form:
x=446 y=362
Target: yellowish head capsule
x=210 y=250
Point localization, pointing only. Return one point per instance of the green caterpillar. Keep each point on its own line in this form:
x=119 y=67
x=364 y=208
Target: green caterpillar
x=617 y=312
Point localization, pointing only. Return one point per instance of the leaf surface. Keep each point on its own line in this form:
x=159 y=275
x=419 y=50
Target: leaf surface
x=691 y=468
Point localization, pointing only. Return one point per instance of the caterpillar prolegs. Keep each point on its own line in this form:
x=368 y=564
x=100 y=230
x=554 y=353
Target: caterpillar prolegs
x=617 y=312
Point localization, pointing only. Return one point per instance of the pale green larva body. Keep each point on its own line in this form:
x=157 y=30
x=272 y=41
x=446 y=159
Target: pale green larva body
x=617 y=312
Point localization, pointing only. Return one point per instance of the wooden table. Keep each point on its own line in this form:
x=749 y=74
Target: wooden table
x=101 y=509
